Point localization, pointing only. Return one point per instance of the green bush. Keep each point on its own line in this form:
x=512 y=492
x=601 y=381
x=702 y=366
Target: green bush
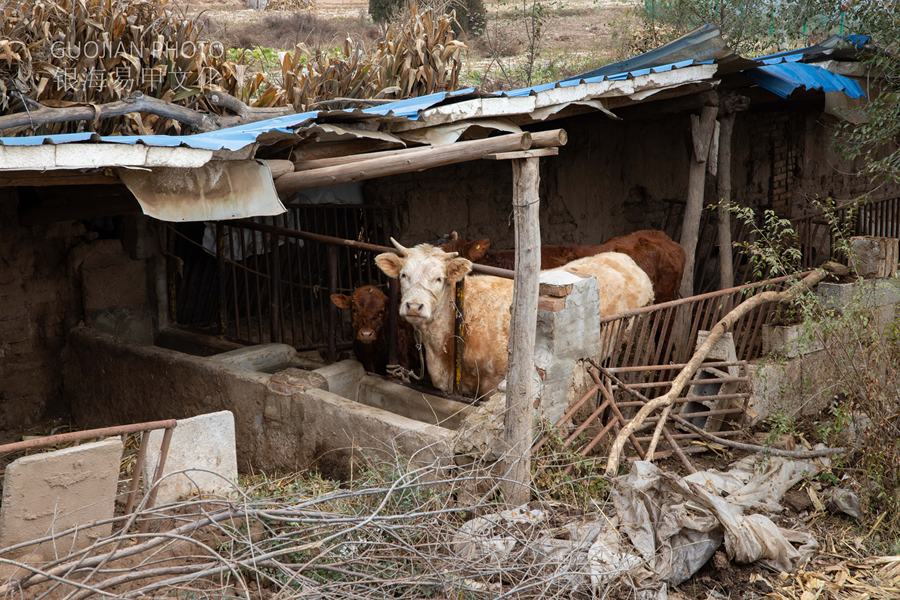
x=383 y=11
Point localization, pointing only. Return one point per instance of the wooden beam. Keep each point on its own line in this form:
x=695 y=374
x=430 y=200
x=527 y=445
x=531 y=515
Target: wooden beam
x=279 y=167
x=523 y=154
x=54 y=178
x=521 y=391
x=346 y=159
x=425 y=158
x=729 y=105
x=552 y=138
x=702 y=127
x=539 y=139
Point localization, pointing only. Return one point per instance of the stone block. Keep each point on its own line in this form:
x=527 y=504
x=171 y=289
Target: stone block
x=343 y=377
x=55 y=491
x=789 y=340
x=874 y=257
x=268 y=358
x=204 y=446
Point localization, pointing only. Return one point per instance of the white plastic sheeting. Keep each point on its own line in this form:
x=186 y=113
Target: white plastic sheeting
x=661 y=528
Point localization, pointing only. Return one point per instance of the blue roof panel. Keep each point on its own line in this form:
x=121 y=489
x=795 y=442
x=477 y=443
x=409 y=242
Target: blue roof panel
x=786 y=78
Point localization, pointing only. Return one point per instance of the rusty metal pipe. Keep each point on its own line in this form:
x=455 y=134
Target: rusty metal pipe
x=335 y=241
x=77 y=436
x=136 y=473
x=163 y=453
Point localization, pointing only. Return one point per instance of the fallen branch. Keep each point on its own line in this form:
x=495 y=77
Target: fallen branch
x=756 y=448
x=723 y=326
x=139 y=103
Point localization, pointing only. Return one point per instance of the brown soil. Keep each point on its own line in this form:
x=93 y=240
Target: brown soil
x=577 y=35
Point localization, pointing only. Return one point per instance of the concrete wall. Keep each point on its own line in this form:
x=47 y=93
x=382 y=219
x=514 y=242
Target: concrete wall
x=280 y=422
x=52 y=277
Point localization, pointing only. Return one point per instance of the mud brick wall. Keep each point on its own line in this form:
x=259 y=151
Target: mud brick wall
x=53 y=277
x=38 y=304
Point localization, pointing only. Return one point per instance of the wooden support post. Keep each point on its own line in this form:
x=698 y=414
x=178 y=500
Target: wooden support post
x=702 y=127
x=730 y=104
x=726 y=268
x=521 y=391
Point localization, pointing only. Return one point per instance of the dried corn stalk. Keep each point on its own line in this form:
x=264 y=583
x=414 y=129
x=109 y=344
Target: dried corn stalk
x=69 y=53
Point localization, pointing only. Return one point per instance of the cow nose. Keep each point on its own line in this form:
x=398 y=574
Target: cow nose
x=366 y=335
x=414 y=308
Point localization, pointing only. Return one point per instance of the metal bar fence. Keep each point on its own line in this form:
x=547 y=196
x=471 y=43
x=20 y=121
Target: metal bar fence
x=143 y=429
x=665 y=333
x=715 y=400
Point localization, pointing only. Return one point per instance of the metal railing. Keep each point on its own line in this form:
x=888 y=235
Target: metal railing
x=662 y=334
x=715 y=400
x=143 y=429
x=267 y=280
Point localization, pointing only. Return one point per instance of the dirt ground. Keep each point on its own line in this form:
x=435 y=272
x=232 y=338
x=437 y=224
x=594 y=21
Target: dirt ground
x=577 y=35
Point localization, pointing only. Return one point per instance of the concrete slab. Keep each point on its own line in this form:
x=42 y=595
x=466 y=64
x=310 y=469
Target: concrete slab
x=343 y=377
x=54 y=491
x=268 y=358
x=204 y=446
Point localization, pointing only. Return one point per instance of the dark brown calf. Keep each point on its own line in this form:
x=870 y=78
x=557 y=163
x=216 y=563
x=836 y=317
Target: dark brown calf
x=368 y=307
x=474 y=250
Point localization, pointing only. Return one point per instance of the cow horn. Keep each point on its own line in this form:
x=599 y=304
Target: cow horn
x=452 y=254
x=400 y=247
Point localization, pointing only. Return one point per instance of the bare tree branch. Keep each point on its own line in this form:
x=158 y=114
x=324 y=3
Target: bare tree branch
x=139 y=103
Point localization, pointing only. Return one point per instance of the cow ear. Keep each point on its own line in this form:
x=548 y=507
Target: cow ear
x=390 y=264
x=479 y=249
x=458 y=268
x=342 y=301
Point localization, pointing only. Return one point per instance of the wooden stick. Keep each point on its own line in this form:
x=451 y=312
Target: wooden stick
x=723 y=326
x=418 y=159
x=754 y=447
x=651 y=449
x=521 y=391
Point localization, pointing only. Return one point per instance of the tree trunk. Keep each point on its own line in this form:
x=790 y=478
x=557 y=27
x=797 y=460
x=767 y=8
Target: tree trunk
x=521 y=391
x=726 y=268
x=702 y=128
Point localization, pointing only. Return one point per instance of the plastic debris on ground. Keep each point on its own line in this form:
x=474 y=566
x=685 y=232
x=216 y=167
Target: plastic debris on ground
x=658 y=530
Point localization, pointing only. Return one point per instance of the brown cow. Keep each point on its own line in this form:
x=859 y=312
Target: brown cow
x=368 y=307
x=474 y=250
x=655 y=252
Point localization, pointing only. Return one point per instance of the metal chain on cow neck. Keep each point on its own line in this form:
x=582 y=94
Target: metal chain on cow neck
x=459 y=341
x=402 y=373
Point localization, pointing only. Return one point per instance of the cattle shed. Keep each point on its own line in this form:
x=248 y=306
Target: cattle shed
x=158 y=277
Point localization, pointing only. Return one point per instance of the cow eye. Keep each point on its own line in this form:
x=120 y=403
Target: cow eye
x=402 y=275
x=438 y=279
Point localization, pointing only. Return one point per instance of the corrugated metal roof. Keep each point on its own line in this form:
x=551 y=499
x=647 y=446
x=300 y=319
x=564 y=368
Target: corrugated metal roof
x=785 y=78
x=783 y=73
